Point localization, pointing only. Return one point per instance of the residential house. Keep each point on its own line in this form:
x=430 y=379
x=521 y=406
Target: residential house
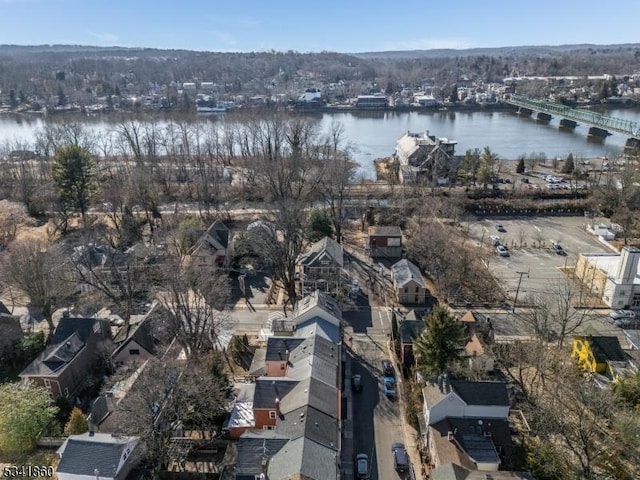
x=77 y=348
x=423 y=157
x=288 y=422
x=410 y=328
x=11 y=334
x=384 y=241
x=211 y=251
x=321 y=268
x=142 y=339
x=479 y=331
x=599 y=354
x=372 y=102
x=97 y=456
x=467 y=423
x=408 y=284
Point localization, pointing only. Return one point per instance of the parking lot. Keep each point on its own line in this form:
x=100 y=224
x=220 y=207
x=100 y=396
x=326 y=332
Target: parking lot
x=531 y=256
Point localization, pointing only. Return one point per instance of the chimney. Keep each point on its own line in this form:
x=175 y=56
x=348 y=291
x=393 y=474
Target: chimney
x=287 y=353
x=277 y=407
x=91 y=433
x=450 y=436
x=65 y=313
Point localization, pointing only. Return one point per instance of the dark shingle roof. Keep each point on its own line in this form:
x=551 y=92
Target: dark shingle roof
x=327 y=245
x=100 y=409
x=4 y=310
x=84 y=327
x=103 y=451
x=64 y=352
x=482 y=393
x=220 y=232
x=410 y=330
x=254 y=447
x=606 y=349
x=267 y=390
x=277 y=347
x=312 y=424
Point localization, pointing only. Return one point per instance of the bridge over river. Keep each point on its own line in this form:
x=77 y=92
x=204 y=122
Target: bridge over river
x=600 y=125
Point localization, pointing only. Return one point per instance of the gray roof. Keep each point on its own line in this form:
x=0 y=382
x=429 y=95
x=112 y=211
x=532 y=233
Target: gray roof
x=84 y=326
x=100 y=409
x=277 y=347
x=404 y=271
x=320 y=326
x=325 y=247
x=310 y=423
x=410 y=330
x=103 y=450
x=267 y=390
x=313 y=393
x=385 y=230
x=450 y=471
x=482 y=393
x=321 y=300
x=220 y=232
x=54 y=358
x=306 y=458
x=253 y=447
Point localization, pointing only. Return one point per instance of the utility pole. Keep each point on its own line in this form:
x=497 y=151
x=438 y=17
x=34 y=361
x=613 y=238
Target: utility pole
x=518 y=289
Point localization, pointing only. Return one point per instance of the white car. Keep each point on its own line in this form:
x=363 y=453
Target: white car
x=502 y=251
x=622 y=314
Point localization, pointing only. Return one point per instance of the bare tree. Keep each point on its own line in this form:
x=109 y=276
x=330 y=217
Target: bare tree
x=39 y=270
x=196 y=301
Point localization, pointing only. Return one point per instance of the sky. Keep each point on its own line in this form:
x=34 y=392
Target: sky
x=346 y=26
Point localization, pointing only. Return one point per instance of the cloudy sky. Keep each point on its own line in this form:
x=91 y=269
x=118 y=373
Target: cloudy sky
x=347 y=26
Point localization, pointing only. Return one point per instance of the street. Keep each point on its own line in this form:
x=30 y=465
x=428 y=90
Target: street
x=377 y=421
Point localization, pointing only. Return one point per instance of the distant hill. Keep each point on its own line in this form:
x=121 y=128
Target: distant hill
x=522 y=51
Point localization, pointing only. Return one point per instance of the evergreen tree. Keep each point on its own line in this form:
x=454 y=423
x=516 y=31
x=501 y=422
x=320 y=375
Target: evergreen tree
x=319 y=225
x=440 y=343
x=569 y=165
x=520 y=168
x=77 y=423
x=74 y=174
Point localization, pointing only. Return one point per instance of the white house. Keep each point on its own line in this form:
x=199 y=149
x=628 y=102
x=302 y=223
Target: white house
x=97 y=455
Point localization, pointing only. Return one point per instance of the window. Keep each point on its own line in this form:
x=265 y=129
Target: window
x=406 y=289
x=134 y=351
x=635 y=302
x=272 y=414
x=282 y=366
x=417 y=289
x=47 y=383
x=393 y=242
x=66 y=392
x=268 y=427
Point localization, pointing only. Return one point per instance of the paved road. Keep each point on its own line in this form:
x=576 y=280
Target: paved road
x=377 y=421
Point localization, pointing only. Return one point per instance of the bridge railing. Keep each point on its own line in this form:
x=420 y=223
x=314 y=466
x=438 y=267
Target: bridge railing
x=620 y=125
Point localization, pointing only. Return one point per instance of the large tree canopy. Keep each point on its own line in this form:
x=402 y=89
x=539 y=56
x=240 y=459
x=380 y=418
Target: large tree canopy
x=24 y=412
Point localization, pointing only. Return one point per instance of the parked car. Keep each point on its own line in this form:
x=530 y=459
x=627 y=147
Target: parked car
x=628 y=323
x=502 y=251
x=400 y=457
x=558 y=249
x=500 y=227
x=362 y=466
x=389 y=387
x=496 y=240
x=622 y=314
x=356 y=383
x=387 y=369
x=355 y=286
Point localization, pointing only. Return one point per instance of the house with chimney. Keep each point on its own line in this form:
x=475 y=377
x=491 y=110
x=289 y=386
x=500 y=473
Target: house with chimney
x=321 y=268
x=408 y=284
x=76 y=349
x=467 y=423
x=425 y=158
x=287 y=422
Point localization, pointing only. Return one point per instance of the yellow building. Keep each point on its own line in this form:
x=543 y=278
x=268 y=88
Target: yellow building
x=598 y=354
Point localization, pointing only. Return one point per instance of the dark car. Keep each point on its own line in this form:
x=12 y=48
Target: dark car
x=356 y=383
x=362 y=466
x=500 y=227
x=387 y=369
x=400 y=457
x=558 y=248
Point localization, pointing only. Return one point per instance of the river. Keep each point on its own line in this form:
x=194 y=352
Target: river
x=373 y=134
